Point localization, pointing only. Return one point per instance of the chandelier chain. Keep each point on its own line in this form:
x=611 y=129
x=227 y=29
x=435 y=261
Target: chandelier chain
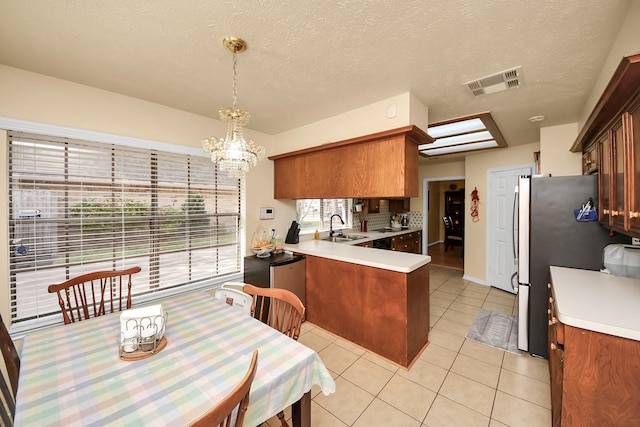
x=235 y=78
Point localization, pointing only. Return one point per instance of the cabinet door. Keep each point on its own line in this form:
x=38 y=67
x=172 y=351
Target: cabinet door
x=399 y=205
x=417 y=242
x=590 y=160
x=556 y=360
x=632 y=131
x=618 y=176
x=373 y=205
x=604 y=179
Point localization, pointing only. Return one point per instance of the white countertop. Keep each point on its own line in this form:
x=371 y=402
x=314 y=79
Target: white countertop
x=401 y=262
x=597 y=301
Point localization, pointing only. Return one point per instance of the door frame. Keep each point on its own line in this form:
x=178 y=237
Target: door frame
x=425 y=205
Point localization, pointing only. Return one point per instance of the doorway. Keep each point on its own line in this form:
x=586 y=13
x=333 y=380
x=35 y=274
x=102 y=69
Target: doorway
x=433 y=197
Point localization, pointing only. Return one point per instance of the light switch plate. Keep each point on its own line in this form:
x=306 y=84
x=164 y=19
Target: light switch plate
x=266 y=213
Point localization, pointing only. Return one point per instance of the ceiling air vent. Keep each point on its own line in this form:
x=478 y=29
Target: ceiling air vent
x=508 y=79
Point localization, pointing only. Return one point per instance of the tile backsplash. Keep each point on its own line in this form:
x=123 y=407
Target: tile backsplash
x=380 y=220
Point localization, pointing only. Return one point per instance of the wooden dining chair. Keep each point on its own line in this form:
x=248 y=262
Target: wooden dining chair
x=222 y=413
x=7 y=403
x=452 y=236
x=10 y=356
x=12 y=365
x=94 y=294
x=279 y=308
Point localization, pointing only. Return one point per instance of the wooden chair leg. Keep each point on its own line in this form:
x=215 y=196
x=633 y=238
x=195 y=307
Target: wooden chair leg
x=282 y=420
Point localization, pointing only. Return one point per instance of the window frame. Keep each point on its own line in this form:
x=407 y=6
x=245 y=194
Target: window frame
x=11 y=125
x=320 y=221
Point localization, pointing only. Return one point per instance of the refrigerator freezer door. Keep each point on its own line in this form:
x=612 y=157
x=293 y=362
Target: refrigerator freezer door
x=523 y=317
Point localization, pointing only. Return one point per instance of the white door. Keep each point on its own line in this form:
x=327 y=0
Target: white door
x=501 y=258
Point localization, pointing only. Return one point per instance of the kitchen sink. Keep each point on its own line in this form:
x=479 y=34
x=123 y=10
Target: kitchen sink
x=344 y=238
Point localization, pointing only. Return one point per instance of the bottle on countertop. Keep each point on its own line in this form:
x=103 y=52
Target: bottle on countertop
x=316 y=235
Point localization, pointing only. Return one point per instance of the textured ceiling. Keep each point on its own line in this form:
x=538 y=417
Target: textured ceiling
x=309 y=59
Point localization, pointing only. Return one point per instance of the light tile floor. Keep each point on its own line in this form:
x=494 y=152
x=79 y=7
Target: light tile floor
x=455 y=381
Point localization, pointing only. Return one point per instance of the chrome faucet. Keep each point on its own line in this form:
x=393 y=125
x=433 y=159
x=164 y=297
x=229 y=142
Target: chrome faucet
x=331 y=224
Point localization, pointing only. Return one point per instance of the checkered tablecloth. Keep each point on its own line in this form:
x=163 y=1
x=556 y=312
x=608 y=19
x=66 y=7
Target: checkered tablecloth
x=73 y=375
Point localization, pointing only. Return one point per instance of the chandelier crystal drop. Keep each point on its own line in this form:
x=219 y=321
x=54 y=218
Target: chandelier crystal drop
x=233 y=154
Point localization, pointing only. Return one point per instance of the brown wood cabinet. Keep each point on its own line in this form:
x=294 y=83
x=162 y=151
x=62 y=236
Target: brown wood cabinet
x=371 y=206
x=383 y=311
x=408 y=242
x=382 y=165
x=590 y=159
x=613 y=128
x=399 y=205
x=595 y=377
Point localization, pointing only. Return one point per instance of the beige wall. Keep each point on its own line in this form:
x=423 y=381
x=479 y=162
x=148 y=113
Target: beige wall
x=555 y=157
x=476 y=167
x=435 y=169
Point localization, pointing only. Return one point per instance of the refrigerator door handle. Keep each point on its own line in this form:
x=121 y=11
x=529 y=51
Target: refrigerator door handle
x=524 y=189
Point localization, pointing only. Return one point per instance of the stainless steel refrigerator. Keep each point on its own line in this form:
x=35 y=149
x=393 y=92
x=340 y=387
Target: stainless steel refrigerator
x=548 y=234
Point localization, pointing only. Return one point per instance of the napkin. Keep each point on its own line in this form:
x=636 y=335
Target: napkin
x=153 y=313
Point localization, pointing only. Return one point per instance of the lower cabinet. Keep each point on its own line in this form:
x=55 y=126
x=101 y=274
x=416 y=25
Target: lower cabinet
x=408 y=242
x=595 y=377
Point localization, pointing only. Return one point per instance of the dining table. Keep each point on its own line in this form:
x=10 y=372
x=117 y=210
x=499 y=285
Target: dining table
x=74 y=374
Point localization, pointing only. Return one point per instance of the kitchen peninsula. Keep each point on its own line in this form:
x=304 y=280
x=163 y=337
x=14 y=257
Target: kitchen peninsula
x=375 y=298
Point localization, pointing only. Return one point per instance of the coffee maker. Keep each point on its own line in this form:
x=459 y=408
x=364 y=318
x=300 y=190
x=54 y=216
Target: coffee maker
x=404 y=221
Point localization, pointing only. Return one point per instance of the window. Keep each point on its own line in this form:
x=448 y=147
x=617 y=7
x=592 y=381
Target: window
x=314 y=214
x=77 y=206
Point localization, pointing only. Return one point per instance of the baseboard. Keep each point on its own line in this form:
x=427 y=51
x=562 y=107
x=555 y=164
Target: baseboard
x=475 y=280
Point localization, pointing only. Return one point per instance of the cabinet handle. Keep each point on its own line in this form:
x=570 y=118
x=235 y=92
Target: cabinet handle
x=551 y=300
x=553 y=346
x=553 y=321
x=634 y=214
x=548 y=311
x=614 y=213
x=548 y=285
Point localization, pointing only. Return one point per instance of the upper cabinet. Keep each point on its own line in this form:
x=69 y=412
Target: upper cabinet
x=383 y=165
x=613 y=132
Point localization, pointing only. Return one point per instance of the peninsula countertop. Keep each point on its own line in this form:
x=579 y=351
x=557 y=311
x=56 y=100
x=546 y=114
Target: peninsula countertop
x=597 y=301
x=401 y=262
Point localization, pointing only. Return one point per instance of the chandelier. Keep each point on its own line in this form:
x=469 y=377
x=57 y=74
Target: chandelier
x=233 y=154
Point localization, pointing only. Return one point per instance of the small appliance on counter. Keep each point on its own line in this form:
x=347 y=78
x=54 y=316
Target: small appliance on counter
x=622 y=260
x=404 y=221
x=395 y=222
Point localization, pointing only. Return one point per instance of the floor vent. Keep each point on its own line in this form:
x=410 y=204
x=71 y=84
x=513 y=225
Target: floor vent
x=508 y=79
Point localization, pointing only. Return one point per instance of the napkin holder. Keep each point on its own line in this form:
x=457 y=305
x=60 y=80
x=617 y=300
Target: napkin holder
x=142 y=332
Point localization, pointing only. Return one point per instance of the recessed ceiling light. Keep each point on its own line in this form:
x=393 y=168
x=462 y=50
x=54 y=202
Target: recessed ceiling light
x=536 y=119
x=460 y=148
x=461 y=135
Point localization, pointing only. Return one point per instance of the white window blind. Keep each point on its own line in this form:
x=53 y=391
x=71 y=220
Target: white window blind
x=77 y=206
